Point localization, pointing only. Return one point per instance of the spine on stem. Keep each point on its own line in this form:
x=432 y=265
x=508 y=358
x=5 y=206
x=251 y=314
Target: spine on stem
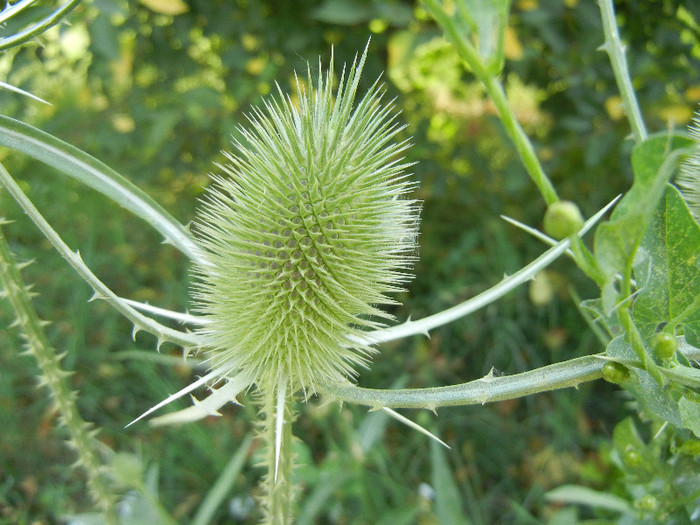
x=276 y=432
x=81 y=436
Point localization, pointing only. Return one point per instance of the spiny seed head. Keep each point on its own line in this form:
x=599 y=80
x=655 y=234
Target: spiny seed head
x=305 y=235
x=689 y=179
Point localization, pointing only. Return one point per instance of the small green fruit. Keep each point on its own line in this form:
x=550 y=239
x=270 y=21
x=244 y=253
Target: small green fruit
x=665 y=345
x=615 y=372
x=562 y=219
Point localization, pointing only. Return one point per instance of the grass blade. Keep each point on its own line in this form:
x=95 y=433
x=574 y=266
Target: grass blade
x=223 y=485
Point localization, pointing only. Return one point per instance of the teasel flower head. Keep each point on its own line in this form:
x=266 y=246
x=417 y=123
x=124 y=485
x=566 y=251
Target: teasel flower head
x=304 y=235
x=689 y=178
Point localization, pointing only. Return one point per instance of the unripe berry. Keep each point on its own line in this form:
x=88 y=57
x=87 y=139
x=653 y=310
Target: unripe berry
x=665 y=345
x=562 y=218
x=615 y=372
x=305 y=235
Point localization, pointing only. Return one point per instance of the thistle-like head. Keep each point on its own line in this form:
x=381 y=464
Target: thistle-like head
x=304 y=235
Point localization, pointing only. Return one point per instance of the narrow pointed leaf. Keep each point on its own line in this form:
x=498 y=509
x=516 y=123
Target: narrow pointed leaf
x=79 y=165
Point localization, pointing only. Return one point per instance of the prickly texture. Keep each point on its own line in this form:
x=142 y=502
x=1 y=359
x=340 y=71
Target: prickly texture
x=689 y=179
x=305 y=235
x=278 y=490
x=81 y=434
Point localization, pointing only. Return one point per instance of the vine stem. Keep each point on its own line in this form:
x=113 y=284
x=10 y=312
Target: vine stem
x=613 y=47
x=495 y=90
x=81 y=434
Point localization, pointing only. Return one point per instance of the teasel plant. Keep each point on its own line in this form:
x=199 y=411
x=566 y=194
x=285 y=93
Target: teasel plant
x=301 y=237
x=299 y=244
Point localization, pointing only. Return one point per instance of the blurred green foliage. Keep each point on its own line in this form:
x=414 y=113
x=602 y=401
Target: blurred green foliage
x=156 y=88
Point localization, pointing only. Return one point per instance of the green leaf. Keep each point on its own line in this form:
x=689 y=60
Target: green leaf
x=77 y=164
x=668 y=269
x=653 y=163
x=487 y=22
x=654 y=398
x=448 y=503
x=690 y=414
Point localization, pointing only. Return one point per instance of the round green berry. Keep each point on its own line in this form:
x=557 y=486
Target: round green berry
x=615 y=372
x=562 y=219
x=665 y=345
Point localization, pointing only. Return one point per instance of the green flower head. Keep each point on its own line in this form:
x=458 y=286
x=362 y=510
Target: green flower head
x=305 y=235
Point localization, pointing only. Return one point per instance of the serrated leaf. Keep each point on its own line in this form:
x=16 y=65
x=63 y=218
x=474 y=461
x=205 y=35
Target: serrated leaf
x=653 y=162
x=668 y=269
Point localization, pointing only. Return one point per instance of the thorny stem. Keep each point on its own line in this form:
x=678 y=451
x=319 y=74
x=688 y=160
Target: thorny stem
x=81 y=436
x=488 y=389
x=38 y=28
x=141 y=322
x=613 y=47
x=494 y=88
x=278 y=455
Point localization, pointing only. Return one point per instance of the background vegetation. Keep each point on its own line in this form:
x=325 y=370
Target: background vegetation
x=155 y=88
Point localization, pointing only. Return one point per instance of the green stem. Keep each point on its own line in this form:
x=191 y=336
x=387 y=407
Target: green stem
x=495 y=90
x=102 y=291
x=278 y=482
x=624 y=316
x=614 y=49
x=39 y=27
x=488 y=389
x=635 y=339
x=81 y=435
x=526 y=273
